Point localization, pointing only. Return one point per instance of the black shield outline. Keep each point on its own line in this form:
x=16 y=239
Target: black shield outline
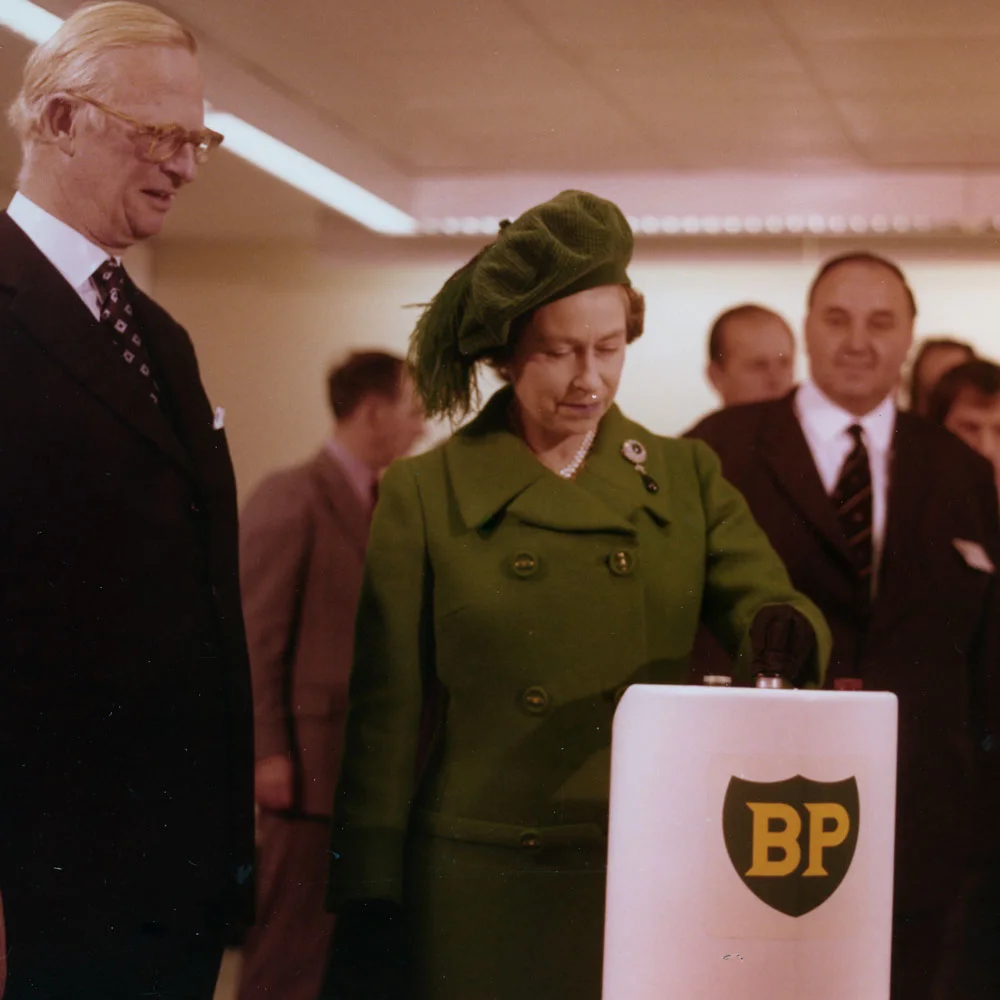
x=793 y=894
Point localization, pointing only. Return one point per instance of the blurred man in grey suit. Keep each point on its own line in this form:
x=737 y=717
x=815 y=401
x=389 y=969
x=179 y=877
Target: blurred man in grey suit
x=303 y=538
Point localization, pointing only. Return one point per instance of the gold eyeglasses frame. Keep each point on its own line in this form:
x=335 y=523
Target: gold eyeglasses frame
x=202 y=141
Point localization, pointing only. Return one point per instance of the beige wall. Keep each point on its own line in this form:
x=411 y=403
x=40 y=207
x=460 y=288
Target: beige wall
x=268 y=321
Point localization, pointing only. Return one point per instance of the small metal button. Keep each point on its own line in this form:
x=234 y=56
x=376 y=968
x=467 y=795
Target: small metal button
x=530 y=840
x=524 y=564
x=535 y=700
x=621 y=563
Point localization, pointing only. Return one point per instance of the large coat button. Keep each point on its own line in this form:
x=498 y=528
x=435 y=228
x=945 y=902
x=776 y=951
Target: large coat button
x=622 y=562
x=535 y=700
x=524 y=564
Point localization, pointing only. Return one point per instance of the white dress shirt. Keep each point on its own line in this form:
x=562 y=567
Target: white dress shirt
x=825 y=426
x=69 y=252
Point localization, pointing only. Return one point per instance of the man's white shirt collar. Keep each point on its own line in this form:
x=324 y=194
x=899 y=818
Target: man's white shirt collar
x=825 y=421
x=69 y=251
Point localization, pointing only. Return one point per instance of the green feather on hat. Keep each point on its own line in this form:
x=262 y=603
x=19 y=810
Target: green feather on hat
x=563 y=246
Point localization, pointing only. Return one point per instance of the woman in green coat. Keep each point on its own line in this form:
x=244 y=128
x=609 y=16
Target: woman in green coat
x=519 y=577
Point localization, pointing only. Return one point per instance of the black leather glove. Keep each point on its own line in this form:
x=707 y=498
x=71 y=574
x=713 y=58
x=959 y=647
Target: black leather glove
x=783 y=644
x=368 y=954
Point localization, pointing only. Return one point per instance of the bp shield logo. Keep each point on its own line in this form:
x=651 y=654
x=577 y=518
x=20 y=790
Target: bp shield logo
x=792 y=841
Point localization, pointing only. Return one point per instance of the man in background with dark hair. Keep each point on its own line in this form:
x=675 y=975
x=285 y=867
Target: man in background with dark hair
x=303 y=538
x=890 y=526
x=751 y=355
x=934 y=357
x=966 y=400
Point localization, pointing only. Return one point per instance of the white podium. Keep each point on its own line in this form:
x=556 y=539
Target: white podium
x=750 y=845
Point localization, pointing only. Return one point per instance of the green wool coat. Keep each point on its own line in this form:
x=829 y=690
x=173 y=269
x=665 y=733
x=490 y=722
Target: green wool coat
x=529 y=602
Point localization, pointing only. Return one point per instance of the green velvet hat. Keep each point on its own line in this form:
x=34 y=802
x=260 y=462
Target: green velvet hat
x=563 y=246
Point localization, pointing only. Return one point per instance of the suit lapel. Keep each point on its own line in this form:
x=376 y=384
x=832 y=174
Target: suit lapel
x=46 y=308
x=342 y=500
x=908 y=479
x=786 y=453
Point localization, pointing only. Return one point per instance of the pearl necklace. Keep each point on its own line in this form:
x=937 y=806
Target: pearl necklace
x=570 y=471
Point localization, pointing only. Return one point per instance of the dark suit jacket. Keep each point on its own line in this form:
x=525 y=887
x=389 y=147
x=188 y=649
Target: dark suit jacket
x=125 y=716
x=931 y=634
x=303 y=537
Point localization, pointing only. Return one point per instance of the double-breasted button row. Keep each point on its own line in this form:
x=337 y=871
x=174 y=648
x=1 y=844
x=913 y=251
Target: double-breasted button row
x=621 y=562
x=535 y=700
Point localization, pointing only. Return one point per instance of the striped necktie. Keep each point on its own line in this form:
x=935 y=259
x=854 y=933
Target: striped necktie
x=852 y=497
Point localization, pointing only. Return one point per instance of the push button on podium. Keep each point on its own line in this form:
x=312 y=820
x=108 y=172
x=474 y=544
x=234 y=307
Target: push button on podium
x=524 y=564
x=622 y=562
x=535 y=700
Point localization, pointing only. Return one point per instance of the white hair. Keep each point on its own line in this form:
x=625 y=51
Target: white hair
x=72 y=58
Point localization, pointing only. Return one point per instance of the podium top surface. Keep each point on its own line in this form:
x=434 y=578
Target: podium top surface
x=802 y=696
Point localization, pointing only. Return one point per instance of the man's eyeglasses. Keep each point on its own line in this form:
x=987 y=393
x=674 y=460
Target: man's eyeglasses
x=158 y=143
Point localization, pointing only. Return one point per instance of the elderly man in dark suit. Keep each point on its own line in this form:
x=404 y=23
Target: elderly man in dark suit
x=126 y=831
x=303 y=540
x=890 y=525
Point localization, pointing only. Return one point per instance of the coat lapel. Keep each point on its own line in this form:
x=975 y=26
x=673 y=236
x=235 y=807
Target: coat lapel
x=341 y=499
x=46 y=308
x=785 y=451
x=492 y=470
x=615 y=479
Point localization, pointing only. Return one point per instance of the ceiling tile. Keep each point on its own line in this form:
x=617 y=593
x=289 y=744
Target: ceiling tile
x=942 y=67
x=926 y=132
x=279 y=35
x=757 y=137
x=552 y=133
x=703 y=71
x=888 y=19
x=629 y=23
x=978 y=152
x=933 y=117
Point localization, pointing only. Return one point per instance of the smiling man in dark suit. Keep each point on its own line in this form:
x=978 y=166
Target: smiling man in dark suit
x=890 y=525
x=126 y=832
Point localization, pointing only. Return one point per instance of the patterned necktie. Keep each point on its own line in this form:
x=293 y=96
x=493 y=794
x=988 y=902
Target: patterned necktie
x=116 y=314
x=853 y=498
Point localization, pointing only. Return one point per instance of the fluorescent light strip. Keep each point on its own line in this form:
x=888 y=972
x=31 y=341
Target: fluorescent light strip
x=715 y=225
x=263 y=150
x=28 y=20
x=310 y=176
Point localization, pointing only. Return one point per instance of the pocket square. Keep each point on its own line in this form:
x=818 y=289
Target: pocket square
x=219 y=420
x=974 y=554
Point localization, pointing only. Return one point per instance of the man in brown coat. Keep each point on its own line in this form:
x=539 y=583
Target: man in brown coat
x=303 y=538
